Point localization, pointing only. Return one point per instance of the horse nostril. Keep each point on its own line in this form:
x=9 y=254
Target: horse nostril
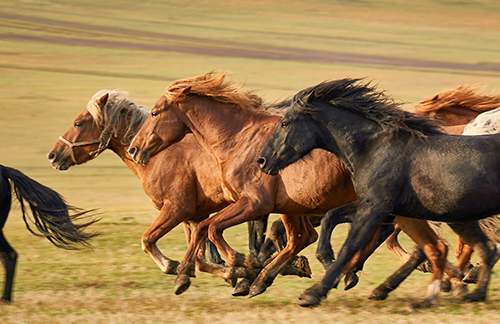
x=51 y=156
x=132 y=150
x=261 y=161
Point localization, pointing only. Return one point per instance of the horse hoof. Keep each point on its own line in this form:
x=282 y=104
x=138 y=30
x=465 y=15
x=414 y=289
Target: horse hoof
x=306 y=300
x=474 y=297
x=459 y=289
x=257 y=289
x=426 y=303
x=298 y=266
x=378 y=294
x=471 y=276
x=445 y=285
x=182 y=283
x=312 y=296
x=425 y=266
x=242 y=288
x=351 y=280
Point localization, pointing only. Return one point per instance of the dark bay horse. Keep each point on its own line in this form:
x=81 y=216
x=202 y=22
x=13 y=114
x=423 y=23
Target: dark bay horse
x=232 y=127
x=180 y=181
x=461 y=108
x=400 y=163
x=52 y=217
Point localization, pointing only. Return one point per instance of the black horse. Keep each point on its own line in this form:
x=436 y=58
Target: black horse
x=400 y=163
x=52 y=217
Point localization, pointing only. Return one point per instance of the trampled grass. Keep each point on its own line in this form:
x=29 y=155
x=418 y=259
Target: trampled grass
x=46 y=82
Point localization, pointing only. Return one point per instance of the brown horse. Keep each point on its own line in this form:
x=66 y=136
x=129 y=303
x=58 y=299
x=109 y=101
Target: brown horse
x=230 y=126
x=180 y=181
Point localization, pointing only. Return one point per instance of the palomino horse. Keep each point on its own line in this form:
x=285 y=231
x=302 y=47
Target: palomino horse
x=52 y=217
x=401 y=164
x=230 y=126
x=180 y=181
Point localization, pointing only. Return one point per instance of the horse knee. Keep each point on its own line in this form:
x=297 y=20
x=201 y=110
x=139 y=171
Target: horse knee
x=214 y=233
x=147 y=243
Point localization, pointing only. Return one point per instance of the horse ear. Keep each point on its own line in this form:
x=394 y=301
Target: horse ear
x=103 y=100
x=436 y=97
x=186 y=90
x=309 y=97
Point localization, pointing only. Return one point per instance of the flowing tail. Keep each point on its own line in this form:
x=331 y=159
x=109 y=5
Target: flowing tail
x=491 y=227
x=53 y=218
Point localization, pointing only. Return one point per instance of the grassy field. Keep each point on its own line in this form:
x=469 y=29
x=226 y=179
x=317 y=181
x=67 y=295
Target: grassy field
x=54 y=55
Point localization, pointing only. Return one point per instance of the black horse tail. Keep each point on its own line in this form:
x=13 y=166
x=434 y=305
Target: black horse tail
x=53 y=218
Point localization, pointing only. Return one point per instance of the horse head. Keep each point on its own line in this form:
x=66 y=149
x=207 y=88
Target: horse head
x=163 y=127
x=81 y=142
x=294 y=137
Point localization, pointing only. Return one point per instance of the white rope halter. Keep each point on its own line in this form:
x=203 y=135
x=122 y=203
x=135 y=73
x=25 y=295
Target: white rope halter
x=77 y=144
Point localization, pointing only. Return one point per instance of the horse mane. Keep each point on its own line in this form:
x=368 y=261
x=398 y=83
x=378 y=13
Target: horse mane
x=215 y=86
x=463 y=96
x=364 y=99
x=117 y=107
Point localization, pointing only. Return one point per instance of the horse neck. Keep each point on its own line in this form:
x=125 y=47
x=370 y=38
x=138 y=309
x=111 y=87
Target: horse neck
x=219 y=127
x=348 y=135
x=119 y=148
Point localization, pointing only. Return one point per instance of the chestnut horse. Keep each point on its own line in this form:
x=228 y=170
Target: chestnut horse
x=180 y=181
x=230 y=126
x=400 y=163
x=52 y=217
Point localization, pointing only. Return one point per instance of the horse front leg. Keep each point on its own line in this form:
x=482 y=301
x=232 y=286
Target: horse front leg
x=343 y=214
x=365 y=222
x=463 y=253
x=242 y=211
x=300 y=234
x=164 y=223
x=473 y=235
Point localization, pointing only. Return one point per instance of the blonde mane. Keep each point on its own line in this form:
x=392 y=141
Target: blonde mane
x=214 y=86
x=464 y=96
x=117 y=107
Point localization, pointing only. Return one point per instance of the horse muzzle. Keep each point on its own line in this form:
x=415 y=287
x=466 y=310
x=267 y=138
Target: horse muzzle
x=138 y=155
x=58 y=163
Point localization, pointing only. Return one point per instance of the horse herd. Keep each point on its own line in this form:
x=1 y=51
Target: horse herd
x=340 y=151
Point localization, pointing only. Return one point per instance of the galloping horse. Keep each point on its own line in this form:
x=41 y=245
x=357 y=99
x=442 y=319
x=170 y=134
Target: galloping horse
x=466 y=110
x=232 y=127
x=401 y=164
x=180 y=181
x=52 y=217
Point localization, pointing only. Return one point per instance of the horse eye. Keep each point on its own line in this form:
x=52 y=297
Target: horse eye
x=284 y=124
x=154 y=114
x=78 y=124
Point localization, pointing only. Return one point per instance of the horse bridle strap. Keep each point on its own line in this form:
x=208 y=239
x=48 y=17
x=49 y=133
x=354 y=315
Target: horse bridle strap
x=77 y=144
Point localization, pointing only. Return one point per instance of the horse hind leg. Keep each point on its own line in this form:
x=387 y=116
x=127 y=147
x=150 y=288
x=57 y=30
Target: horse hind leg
x=473 y=235
x=8 y=255
x=435 y=250
x=9 y=259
